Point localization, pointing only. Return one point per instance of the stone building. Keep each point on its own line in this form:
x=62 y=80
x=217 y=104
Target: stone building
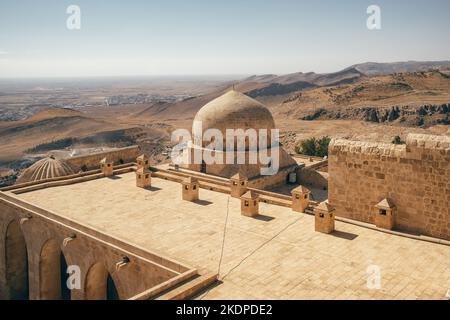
x=235 y=110
x=123 y=241
x=414 y=176
x=47 y=168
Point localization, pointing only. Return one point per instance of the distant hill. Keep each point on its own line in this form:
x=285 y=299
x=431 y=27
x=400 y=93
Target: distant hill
x=185 y=109
x=305 y=95
x=375 y=68
x=412 y=99
x=316 y=79
x=46 y=126
x=401 y=93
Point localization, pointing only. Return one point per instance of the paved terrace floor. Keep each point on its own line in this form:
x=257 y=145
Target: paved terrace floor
x=277 y=255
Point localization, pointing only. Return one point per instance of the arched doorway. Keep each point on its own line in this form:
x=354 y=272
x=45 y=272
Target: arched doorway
x=16 y=262
x=111 y=290
x=53 y=273
x=65 y=291
x=99 y=284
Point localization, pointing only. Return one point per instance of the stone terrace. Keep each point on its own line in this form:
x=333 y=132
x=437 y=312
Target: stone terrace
x=277 y=255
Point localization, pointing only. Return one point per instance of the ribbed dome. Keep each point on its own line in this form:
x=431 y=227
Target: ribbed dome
x=234 y=110
x=45 y=169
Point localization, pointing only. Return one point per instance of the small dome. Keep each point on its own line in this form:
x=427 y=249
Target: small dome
x=234 y=110
x=45 y=169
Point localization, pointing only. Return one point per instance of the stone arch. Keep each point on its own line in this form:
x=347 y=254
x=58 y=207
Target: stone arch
x=52 y=272
x=16 y=262
x=99 y=284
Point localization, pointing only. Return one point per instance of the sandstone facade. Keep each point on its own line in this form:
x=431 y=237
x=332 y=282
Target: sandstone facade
x=415 y=176
x=119 y=156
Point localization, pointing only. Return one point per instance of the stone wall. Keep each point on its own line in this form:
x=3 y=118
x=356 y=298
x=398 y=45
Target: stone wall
x=415 y=176
x=308 y=176
x=23 y=258
x=123 y=155
x=271 y=181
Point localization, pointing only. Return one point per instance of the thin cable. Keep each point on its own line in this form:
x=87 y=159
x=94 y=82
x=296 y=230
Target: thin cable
x=224 y=234
x=262 y=245
x=223 y=244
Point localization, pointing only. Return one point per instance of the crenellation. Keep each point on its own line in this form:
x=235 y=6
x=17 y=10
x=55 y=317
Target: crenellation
x=412 y=175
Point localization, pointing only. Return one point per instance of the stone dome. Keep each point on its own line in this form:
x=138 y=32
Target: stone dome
x=47 y=168
x=234 y=110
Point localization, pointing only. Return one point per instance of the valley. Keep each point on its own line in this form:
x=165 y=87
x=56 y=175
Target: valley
x=72 y=117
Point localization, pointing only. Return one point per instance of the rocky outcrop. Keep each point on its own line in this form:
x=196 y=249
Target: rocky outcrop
x=279 y=89
x=425 y=115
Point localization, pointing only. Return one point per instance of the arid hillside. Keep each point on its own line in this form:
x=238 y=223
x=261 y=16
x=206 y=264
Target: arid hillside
x=409 y=99
x=348 y=103
x=412 y=99
x=45 y=127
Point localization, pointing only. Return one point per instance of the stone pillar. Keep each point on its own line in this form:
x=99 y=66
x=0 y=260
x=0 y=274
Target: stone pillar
x=324 y=217
x=143 y=161
x=106 y=165
x=143 y=178
x=190 y=187
x=300 y=198
x=250 y=204
x=385 y=214
x=238 y=185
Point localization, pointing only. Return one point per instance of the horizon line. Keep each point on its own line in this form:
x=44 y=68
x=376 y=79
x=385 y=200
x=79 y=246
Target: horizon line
x=215 y=74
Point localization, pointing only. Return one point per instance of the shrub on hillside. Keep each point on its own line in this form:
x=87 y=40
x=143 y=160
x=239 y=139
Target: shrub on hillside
x=314 y=147
x=398 y=140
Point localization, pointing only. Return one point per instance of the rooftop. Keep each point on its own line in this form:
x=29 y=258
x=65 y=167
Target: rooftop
x=275 y=255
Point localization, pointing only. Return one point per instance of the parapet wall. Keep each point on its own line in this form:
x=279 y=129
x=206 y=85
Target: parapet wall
x=415 y=176
x=308 y=176
x=123 y=155
x=91 y=247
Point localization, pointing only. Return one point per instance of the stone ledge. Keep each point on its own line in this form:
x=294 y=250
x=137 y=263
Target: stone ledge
x=190 y=288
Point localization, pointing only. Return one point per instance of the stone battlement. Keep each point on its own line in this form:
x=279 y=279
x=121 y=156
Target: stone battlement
x=368 y=148
x=414 y=176
x=428 y=141
x=413 y=141
x=118 y=156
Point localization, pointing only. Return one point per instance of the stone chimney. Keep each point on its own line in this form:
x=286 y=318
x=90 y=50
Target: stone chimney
x=300 y=198
x=190 y=189
x=143 y=178
x=324 y=217
x=250 y=204
x=142 y=161
x=385 y=214
x=107 y=167
x=238 y=185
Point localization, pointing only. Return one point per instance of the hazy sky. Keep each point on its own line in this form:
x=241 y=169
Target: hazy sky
x=215 y=37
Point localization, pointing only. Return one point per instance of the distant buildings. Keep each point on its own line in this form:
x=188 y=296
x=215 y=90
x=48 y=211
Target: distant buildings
x=144 y=98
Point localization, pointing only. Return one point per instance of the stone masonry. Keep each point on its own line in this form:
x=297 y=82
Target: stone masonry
x=415 y=176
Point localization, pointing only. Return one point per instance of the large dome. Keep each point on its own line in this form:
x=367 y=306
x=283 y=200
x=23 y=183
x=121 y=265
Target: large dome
x=234 y=110
x=46 y=168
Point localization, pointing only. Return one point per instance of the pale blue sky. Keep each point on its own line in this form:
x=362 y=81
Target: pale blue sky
x=170 y=37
